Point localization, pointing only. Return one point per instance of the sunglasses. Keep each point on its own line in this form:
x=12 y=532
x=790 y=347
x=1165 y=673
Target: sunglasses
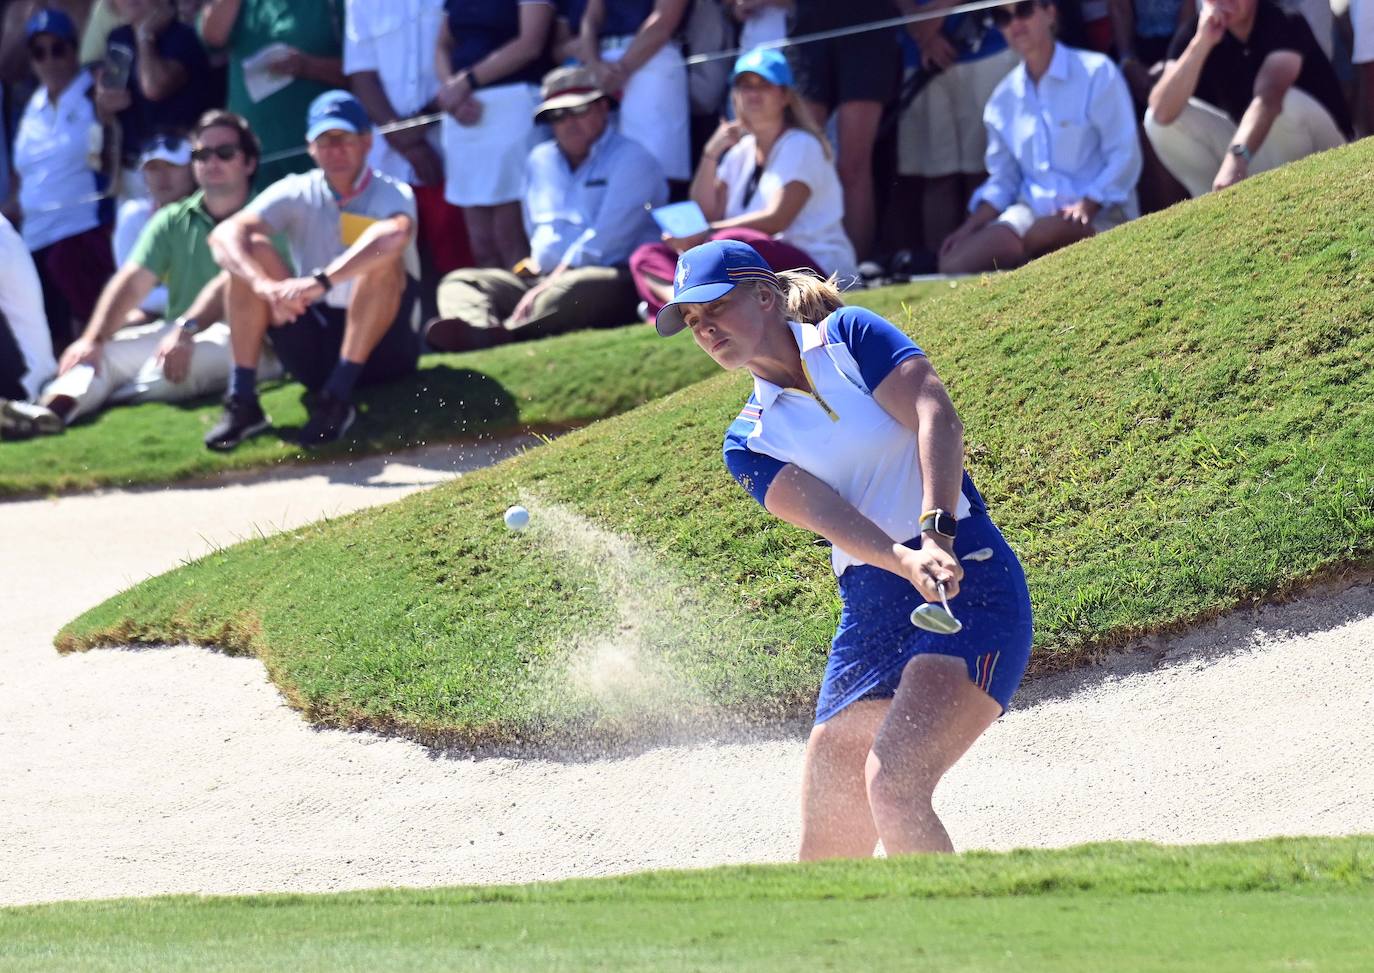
x=41 y=52
x=221 y=152
x=1002 y=16
x=558 y=114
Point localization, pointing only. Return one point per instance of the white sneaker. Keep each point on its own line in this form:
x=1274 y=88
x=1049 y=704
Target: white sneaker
x=24 y=420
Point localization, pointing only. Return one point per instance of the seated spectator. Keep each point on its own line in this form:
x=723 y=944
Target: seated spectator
x=629 y=46
x=1245 y=89
x=349 y=319
x=765 y=179
x=166 y=84
x=587 y=197
x=57 y=187
x=26 y=358
x=490 y=58
x=853 y=77
x=940 y=137
x=1063 y=157
x=165 y=168
x=187 y=355
x=305 y=38
x=389 y=60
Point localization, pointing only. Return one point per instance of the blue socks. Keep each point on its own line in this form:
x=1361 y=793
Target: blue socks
x=343 y=378
x=243 y=383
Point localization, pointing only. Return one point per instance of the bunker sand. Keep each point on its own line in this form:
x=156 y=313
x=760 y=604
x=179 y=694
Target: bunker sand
x=139 y=772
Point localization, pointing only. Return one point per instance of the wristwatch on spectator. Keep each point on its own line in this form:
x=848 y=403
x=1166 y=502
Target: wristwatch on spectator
x=322 y=278
x=1241 y=151
x=188 y=326
x=940 y=522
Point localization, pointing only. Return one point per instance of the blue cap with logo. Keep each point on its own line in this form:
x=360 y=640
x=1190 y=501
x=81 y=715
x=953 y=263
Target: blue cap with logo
x=768 y=63
x=53 y=22
x=708 y=272
x=336 y=111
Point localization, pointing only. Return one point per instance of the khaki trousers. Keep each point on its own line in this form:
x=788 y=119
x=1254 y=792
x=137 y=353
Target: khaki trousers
x=583 y=297
x=1193 y=146
x=128 y=372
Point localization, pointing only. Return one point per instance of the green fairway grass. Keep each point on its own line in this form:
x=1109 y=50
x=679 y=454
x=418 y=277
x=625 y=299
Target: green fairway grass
x=1287 y=904
x=564 y=381
x=1164 y=420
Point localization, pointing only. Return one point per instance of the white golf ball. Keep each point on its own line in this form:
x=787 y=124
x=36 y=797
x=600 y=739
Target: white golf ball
x=517 y=517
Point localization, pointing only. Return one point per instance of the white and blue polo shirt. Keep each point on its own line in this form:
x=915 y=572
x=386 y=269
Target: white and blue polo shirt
x=840 y=434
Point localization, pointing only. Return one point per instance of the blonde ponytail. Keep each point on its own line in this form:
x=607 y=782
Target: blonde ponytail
x=808 y=296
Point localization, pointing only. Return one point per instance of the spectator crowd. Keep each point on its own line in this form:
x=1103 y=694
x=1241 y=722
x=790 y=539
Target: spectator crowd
x=197 y=195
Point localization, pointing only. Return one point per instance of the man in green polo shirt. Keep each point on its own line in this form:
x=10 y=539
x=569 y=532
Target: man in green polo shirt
x=188 y=354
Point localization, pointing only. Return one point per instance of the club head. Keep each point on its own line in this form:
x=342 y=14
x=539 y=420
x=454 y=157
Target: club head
x=935 y=619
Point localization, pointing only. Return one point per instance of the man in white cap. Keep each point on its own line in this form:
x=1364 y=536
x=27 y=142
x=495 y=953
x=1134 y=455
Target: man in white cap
x=587 y=198
x=165 y=166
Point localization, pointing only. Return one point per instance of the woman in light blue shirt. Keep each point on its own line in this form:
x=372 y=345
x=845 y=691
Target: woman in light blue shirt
x=1063 y=155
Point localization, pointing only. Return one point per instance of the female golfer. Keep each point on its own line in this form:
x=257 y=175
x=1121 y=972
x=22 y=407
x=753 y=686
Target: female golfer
x=850 y=434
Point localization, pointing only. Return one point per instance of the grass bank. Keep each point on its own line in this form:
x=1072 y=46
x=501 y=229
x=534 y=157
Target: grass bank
x=1165 y=420
x=1281 y=904
x=560 y=382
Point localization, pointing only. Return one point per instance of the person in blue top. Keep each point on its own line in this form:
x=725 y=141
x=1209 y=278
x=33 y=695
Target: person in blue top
x=850 y=434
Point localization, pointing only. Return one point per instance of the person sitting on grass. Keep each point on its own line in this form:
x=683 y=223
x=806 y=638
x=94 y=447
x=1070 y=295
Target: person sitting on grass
x=766 y=179
x=26 y=358
x=164 y=166
x=187 y=354
x=1063 y=155
x=349 y=319
x=849 y=433
x=587 y=195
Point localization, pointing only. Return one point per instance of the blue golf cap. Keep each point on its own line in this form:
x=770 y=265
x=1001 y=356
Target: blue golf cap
x=708 y=272
x=53 y=22
x=336 y=111
x=768 y=63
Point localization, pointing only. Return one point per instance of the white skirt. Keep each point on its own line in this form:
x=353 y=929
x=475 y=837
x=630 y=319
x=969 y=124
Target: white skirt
x=654 y=110
x=484 y=164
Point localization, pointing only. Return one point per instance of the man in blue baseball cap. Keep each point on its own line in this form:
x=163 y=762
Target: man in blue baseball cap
x=347 y=314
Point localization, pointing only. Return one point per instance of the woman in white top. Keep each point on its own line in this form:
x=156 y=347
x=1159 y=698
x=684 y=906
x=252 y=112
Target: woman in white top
x=766 y=179
x=1063 y=156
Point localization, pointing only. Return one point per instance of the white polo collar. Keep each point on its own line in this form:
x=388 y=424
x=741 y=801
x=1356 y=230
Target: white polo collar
x=808 y=337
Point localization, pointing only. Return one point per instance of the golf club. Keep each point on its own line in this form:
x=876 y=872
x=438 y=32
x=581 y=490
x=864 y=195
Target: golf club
x=938 y=618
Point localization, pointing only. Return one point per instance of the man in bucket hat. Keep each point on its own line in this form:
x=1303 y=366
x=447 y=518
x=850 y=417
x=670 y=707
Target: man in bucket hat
x=587 y=199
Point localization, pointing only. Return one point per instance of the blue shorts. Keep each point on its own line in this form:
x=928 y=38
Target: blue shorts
x=875 y=639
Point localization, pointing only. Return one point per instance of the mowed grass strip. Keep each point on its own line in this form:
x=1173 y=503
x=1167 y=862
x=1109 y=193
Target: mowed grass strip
x=1299 y=903
x=1165 y=420
x=563 y=381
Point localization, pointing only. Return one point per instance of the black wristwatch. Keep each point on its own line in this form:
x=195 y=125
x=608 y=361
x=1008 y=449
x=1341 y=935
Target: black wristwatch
x=940 y=522
x=322 y=278
x=188 y=326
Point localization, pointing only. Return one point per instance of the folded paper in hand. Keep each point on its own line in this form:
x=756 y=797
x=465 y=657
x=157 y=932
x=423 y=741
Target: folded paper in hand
x=681 y=219
x=259 y=80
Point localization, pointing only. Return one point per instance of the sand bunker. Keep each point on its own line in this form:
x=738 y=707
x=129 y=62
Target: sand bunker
x=181 y=770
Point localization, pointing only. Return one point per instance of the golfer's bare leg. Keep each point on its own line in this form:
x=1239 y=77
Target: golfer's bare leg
x=248 y=315
x=836 y=822
x=933 y=720
x=1051 y=233
x=994 y=247
x=372 y=309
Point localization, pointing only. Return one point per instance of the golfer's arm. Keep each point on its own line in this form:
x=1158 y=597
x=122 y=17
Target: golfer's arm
x=124 y=292
x=382 y=241
x=806 y=501
x=914 y=395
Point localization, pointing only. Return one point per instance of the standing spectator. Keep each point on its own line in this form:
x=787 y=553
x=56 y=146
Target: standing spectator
x=301 y=40
x=349 y=318
x=14 y=56
x=766 y=180
x=1245 y=89
x=760 y=21
x=853 y=77
x=389 y=59
x=490 y=58
x=940 y=138
x=1063 y=157
x=166 y=84
x=95 y=37
x=588 y=192
x=165 y=167
x=58 y=189
x=1362 y=56
x=26 y=357
x=629 y=45
x=188 y=355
